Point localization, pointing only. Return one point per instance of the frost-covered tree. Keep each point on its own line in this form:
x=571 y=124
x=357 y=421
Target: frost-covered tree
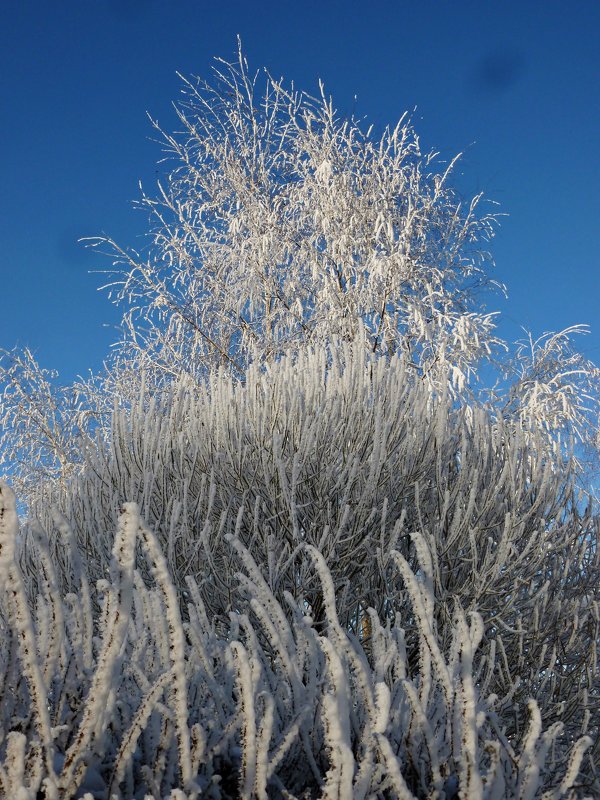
x=278 y=222
x=339 y=569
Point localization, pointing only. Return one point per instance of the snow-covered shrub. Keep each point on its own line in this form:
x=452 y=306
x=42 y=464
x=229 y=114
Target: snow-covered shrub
x=353 y=455
x=110 y=691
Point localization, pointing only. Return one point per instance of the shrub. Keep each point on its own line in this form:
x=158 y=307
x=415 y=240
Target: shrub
x=121 y=695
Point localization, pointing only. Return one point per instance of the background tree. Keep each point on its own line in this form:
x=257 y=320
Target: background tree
x=280 y=223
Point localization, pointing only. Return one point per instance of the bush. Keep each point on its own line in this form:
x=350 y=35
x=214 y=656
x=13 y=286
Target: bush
x=119 y=694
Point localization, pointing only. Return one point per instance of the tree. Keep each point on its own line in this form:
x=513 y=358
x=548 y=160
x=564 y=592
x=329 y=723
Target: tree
x=319 y=502
x=281 y=223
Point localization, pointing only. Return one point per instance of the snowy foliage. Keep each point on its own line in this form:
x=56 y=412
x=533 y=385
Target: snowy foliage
x=337 y=543
x=114 y=690
x=282 y=547
x=352 y=454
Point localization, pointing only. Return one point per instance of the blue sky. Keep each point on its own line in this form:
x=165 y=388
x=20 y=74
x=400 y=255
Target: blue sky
x=515 y=86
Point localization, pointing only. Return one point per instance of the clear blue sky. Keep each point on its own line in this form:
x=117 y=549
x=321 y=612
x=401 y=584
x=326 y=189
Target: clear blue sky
x=515 y=85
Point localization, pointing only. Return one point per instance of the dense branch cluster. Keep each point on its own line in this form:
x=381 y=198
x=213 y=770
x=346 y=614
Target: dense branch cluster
x=114 y=690
x=282 y=547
